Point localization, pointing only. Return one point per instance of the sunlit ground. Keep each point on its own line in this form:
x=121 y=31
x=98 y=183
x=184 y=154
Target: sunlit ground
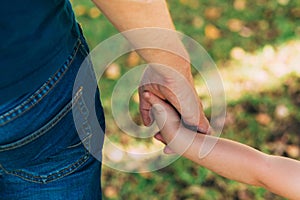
x=245 y=73
x=255 y=72
x=262 y=92
x=255 y=46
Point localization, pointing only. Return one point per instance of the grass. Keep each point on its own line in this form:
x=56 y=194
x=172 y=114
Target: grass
x=254 y=44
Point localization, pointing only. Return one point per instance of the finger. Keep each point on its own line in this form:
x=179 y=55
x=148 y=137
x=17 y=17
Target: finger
x=159 y=137
x=203 y=126
x=189 y=106
x=153 y=100
x=161 y=107
x=169 y=124
x=165 y=116
x=145 y=108
x=168 y=150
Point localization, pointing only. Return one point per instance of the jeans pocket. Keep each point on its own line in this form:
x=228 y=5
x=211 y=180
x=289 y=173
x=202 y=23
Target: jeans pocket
x=49 y=153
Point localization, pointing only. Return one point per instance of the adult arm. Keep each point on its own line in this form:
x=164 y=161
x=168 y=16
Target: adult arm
x=136 y=14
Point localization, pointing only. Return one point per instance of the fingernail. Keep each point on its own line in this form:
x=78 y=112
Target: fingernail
x=146 y=95
x=157 y=136
x=167 y=150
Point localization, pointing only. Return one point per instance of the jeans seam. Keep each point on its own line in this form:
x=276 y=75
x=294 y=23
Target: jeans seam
x=46 y=127
x=41 y=92
x=83 y=50
x=52 y=176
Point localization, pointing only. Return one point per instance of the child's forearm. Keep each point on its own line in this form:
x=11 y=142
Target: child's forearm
x=227 y=158
x=242 y=163
x=230 y=159
x=282 y=176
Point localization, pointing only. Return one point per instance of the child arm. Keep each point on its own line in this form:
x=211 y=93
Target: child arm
x=227 y=158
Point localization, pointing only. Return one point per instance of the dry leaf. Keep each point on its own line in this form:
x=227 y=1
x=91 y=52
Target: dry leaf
x=133 y=59
x=213 y=13
x=237 y=53
x=212 y=32
x=80 y=10
x=198 y=22
x=94 y=12
x=240 y=4
x=113 y=71
x=235 y=25
x=111 y=192
x=293 y=151
x=263 y=119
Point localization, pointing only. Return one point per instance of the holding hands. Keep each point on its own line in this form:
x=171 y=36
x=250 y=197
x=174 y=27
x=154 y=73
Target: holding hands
x=178 y=90
x=227 y=158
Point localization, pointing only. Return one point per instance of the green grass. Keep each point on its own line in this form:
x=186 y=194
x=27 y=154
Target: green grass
x=219 y=26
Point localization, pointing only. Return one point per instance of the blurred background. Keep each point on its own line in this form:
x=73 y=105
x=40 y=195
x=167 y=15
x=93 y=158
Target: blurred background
x=256 y=46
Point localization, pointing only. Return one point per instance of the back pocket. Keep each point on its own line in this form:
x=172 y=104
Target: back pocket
x=49 y=153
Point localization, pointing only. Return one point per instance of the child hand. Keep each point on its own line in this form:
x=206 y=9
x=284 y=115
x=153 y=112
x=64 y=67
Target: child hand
x=167 y=120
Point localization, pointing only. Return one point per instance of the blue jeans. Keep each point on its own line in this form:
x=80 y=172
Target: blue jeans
x=41 y=154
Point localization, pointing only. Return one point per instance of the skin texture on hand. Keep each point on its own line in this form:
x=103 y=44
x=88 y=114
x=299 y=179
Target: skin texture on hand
x=173 y=87
x=228 y=158
x=129 y=15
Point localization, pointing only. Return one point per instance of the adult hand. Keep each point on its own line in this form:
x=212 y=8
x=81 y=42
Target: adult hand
x=177 y=89
x=159 y=45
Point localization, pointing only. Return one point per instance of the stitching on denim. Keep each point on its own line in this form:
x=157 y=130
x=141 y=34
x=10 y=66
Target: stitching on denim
x=86 y=127
x=77 y=144
x=52 y=176
x=83 y=50
x=46 y=127
x=41 y=92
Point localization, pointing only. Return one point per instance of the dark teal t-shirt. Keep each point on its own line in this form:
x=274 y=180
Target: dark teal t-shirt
x=36 y=37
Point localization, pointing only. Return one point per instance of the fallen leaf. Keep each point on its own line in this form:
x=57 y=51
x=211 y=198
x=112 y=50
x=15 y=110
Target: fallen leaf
x=80 y=10
x=133 y=59
x=237 y=53
x=213 y=13
x=235 y=25
x=293 y=151
x=113 y=71
x=110 y=192
x=263 y=119
x=94 y=12
x=198 y=22
x=240 y=4
x=212 y=32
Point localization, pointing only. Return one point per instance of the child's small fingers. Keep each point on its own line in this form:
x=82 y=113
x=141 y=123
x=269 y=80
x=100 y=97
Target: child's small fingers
x=158 y=109
x=153 y=100
x=168 y=150
x=159 y=137
x=159 y=106
x=145 y=108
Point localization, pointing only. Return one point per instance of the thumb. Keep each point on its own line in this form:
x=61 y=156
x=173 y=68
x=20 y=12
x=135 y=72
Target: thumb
x=168 y=150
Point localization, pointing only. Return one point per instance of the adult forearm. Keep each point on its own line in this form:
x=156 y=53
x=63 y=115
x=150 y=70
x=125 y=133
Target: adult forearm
x=131 y=14
x=136 y=14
